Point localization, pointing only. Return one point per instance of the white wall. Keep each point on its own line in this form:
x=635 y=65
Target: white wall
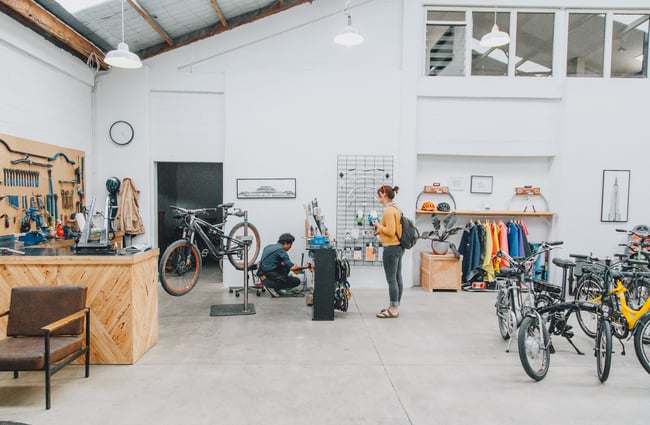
x=600 y=131
x=46 y=93
x=276 y=98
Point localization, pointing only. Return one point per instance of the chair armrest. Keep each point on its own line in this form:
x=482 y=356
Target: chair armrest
x=62 y=322
x=4 y=313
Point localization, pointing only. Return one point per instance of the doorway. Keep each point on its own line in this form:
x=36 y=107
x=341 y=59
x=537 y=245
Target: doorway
x=188 y=185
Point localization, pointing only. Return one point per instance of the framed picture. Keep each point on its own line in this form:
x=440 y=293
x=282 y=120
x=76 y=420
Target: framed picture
x=615 y=196
x=266 y=188
x=481 y=184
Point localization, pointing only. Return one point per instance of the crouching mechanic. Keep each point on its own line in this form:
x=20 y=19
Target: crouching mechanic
x=275 y=266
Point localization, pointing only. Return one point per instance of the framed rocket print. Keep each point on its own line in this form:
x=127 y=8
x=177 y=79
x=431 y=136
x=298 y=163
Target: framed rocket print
x=615 y=199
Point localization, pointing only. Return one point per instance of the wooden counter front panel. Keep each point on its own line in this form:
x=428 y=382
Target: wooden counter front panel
x=122 y=297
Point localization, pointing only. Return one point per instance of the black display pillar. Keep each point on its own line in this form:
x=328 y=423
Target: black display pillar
x=324 y=263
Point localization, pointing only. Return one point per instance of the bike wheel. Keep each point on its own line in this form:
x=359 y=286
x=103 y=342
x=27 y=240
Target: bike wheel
x=180 y=267
x=589 y=288
x=503 y=314
x=642 y=341
x=603 y=350
x=237 y=233
x=637 y=293
x=533 y=343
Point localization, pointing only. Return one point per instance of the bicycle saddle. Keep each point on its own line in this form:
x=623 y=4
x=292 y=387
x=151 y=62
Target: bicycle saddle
x=507 y=272
x=561 y=262
x=226 y=206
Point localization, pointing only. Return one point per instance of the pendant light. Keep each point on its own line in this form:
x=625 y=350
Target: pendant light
x=495 y=38
x=348 y=36
x=122 y=57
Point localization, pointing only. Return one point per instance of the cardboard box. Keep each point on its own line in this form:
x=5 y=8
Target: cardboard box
x=440 y=272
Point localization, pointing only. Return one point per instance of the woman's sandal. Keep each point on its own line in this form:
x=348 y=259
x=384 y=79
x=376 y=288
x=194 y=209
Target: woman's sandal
x=387 y=314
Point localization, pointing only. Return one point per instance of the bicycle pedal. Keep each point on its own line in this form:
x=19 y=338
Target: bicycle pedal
x=568 y=333
x=551 y=349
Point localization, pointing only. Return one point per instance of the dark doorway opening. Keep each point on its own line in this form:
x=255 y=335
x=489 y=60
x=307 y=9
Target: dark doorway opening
x=188 y=185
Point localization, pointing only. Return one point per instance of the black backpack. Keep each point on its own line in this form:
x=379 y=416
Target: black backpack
x=410 y=233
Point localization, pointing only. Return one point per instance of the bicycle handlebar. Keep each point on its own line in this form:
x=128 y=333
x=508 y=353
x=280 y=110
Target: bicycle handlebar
x=642 y=236
x=519 y=262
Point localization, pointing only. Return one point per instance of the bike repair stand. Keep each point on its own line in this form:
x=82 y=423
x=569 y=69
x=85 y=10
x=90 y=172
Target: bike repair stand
x=237 y=309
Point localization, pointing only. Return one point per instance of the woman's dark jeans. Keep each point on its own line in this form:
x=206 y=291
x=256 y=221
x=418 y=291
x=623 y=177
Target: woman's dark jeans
x=393 y=269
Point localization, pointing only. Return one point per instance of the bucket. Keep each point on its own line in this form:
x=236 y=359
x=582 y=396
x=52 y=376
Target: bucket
x=319 y=240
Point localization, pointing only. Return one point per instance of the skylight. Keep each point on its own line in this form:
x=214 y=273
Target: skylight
x=74 y=6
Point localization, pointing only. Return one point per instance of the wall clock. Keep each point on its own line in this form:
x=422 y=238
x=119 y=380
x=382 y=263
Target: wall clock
x=121 y=133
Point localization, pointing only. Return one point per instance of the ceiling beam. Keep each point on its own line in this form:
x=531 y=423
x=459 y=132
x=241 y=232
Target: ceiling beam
x=217 y=29
x=136 y=6
x=272 y=9
x=217 y=9
x=34 y=16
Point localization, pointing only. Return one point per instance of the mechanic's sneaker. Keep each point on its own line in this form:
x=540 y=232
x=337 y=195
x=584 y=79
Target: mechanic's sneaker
x=273 y=292
x=290 y=291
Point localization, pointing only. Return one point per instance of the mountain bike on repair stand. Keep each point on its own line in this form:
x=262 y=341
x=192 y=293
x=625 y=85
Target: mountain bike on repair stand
x=181 y=263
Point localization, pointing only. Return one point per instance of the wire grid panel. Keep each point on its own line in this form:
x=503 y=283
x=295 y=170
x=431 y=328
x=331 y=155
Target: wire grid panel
x=358 y=178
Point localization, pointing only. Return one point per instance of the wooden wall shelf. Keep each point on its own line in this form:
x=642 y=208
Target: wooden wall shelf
x=494 y=213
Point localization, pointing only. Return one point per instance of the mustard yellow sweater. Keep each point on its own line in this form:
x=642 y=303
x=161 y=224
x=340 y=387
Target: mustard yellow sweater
x=390 y=226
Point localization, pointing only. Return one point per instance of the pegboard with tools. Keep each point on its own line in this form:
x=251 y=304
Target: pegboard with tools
x=41 y=184
x=358 y=178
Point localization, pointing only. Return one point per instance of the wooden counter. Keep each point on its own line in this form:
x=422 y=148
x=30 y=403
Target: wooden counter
x=122 y=296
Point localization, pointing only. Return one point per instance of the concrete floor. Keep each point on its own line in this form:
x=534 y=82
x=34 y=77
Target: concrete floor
x=441 y=362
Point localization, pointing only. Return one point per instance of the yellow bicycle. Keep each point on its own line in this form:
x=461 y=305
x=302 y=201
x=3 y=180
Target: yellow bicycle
x=626 y=320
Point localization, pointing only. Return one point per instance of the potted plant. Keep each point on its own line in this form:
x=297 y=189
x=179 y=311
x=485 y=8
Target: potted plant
x=442 y=230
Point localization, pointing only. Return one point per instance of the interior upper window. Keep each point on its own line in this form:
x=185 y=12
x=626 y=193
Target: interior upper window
x=585 y=45
x=630 y=45
x=534 y=53
x=445 y=43
x=489 y=60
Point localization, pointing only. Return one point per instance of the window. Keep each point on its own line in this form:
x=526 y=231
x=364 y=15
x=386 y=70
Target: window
x=534 y=56
x=445 y=51
x=489 y=60
x=586 y=45
x=449 y=42
x=598 y=43
x=630 y=45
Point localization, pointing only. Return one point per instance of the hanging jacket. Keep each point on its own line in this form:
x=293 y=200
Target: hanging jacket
x=128 y=217
x=503 y=243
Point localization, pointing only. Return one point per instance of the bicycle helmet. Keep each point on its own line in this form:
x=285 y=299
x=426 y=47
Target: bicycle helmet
x=444 y=207
x=428 y=206
x=112 y=185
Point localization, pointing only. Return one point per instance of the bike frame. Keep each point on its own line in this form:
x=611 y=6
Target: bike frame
x=196 y=225
x=631 y=316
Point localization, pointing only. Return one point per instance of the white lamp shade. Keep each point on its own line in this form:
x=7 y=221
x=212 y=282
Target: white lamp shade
x=495 y=38
x=348 y=36
x=123 y=58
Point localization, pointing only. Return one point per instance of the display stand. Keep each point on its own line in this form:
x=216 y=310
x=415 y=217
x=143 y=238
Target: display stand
x=324 y=277
x=238 y=309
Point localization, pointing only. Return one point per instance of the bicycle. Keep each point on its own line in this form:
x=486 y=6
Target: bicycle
x=627 y=321
x=510 y=305
x=181 y=263
x=534 y=341
x=546 y=302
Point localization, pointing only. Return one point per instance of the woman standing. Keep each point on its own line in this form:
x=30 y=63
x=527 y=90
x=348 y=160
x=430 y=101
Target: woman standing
x=388 y=229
